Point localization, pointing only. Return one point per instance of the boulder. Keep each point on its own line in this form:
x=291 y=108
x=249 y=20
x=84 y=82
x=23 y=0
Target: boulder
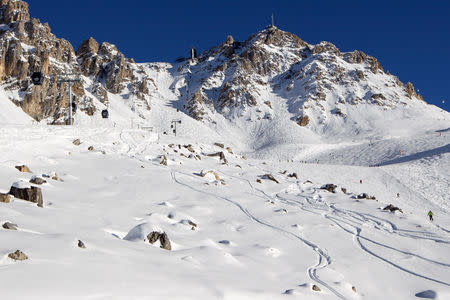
x=18 y=255
x=315 y=288
x=153 y=237
x=329 y=187
x=219 y=145
x=344 y=190
x=10 y=226
x=23 y=169
x=165 y=243
x=32 y=194
x=91 y=148
x=163 y=160
x=5 y=198
x=229 y=150
x=76 y=142
x=37 y=180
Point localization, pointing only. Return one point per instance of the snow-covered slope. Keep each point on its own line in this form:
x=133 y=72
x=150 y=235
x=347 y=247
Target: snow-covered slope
x=234 y=237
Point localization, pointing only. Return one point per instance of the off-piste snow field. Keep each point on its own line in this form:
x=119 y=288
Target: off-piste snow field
x=252 y=224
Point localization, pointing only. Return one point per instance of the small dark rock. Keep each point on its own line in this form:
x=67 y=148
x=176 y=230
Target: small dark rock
x=270 y=177
x=91 y=148
x=392 y=208
x=10 y=226
x=315 y=288
x=81 y=244
x=293 y=175
x=344 y=190
x=219 y=145
x=76 y=142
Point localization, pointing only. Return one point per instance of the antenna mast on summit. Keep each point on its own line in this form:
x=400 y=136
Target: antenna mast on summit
x=273 y=23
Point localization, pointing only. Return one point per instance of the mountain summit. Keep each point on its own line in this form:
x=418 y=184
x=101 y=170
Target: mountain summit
x=273 y=82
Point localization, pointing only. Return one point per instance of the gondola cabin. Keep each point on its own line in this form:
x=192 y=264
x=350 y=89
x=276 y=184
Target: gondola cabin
x=105 y=114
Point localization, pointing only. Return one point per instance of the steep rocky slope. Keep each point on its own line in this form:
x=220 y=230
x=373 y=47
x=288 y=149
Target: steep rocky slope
x=27 y=46
x=273 y=84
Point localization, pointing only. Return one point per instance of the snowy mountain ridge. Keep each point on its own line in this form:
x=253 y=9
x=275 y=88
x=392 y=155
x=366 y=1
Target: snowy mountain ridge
x=272 y=82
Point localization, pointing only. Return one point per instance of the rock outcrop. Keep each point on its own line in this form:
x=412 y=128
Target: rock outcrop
x=32 y=194
x=27 y=46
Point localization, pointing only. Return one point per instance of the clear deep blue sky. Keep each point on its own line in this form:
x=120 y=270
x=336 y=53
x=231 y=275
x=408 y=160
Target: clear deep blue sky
x=411 y=39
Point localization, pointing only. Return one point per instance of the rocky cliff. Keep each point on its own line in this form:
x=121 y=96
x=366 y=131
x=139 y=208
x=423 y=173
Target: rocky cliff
x=273 y=69
x=235 y=77
x=27 y=46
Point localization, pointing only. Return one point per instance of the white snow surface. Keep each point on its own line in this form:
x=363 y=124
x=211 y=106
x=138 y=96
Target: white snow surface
x=251 y=240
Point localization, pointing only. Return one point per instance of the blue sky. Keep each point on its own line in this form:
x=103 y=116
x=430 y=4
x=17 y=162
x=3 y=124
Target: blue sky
x=411 y=39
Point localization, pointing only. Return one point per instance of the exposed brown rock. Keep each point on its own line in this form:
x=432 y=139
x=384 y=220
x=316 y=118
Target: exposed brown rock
x=153 y=237
x=5 y=198
x=315 y=288
x=303 y=120
x=76 y=142
x=23 y=169
x=163 y=160
x=165 y=242
x=32 y=194
x=18 y=255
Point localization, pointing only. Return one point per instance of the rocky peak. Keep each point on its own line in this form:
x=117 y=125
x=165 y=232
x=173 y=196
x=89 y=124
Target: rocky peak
x=278 y=38
x=14 y=11
x=89 y=46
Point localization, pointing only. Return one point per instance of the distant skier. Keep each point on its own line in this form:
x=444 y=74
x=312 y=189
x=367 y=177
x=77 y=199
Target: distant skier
x=430 y=215
x=360 y=181
x=398 y=195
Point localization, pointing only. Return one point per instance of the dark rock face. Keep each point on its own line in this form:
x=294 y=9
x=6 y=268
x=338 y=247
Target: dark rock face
x=32 y=194
x=28 y=46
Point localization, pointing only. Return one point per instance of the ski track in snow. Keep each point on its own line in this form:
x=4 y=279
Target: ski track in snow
x=354 y=219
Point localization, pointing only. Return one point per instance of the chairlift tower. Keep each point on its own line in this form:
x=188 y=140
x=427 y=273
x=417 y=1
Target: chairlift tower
x=174 y=126
x=70 y=79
